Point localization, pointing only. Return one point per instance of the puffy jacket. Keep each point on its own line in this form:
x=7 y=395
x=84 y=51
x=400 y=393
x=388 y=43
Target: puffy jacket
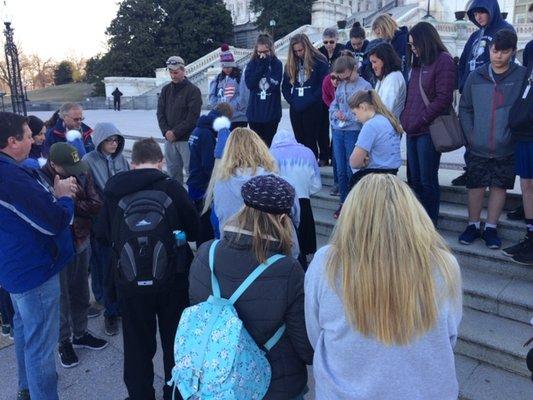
x=312 y=87
x=103 y=166
x=477 y=46
x=35 y=236
x=202 y=147
x=87 y=204
x=264 y=74
x=438 y=81
x=178 y=109
x=58 y=133
x=336 y=53
x=484 y=110
x=239 y=99
x=276 y=297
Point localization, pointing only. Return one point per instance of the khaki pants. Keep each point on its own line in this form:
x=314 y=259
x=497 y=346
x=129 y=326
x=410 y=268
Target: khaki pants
x=177 y=157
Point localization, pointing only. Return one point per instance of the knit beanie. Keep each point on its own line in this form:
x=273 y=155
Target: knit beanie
x=268 y=193
x=35 y=124
x=227 y=60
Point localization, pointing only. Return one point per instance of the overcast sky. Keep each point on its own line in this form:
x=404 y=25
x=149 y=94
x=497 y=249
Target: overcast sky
x=57 y=28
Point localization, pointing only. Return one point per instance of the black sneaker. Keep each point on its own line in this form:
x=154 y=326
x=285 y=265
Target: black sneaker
x=460 y=180
x=512 y=250
x=491 y=238
x=6 y=329
x=95 y=311
x=67 y=355
x=111 y=326
x=470 y=234
x=517 y=214
x=88 y=341
x=23 y=394
x=525 y=256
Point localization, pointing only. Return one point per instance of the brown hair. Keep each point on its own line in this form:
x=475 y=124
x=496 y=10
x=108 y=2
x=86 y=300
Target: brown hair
x=372 y=98
x=146 y=151
x=224 y=109
x=266 y=40
x=345 y=62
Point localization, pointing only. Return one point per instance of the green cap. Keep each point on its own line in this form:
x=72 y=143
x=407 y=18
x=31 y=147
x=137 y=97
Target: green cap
x=67 y=157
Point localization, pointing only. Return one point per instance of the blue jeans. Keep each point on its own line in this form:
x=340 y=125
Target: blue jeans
x=100 y=263
x=343 y=145
x=36 y=326
x=423 y=164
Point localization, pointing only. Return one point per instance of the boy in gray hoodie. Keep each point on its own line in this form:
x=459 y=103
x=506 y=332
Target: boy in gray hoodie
x=488 y=95
x=105 y=161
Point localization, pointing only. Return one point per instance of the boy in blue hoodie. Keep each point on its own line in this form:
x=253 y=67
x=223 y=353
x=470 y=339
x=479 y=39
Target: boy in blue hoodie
x=202 y=143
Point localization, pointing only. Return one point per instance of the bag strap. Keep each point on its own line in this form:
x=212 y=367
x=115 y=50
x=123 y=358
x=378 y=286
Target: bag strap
x=214 y=283
x=275 y=338
x=422 y=92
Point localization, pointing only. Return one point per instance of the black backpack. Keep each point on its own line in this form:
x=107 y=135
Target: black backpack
x=147 y=255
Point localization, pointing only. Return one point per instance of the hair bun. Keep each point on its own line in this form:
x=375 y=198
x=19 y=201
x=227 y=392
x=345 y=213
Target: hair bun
x=224 y=47
x=357 y=24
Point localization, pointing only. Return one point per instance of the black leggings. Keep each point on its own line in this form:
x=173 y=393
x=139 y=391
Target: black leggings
x=307 y=125
x=266 y=130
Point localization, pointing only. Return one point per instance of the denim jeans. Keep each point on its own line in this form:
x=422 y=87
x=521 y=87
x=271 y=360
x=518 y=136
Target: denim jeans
x=36 y=325
x=423 y=164
x=343 y=145
x=100 y=265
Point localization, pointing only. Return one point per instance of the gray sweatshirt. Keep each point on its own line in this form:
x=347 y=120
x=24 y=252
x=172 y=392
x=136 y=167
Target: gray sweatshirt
x=350 y=366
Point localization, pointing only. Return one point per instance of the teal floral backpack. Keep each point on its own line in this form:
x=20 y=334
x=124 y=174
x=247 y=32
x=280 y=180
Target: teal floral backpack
x=216 y=358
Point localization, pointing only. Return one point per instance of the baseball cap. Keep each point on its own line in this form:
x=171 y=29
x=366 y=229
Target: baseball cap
x=67 y=157
x=175 y=62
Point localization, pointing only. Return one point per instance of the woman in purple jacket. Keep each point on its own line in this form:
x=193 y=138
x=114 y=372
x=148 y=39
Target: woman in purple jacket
x=433 y=70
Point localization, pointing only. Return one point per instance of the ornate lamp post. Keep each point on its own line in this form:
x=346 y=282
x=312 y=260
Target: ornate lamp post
x=18 y=99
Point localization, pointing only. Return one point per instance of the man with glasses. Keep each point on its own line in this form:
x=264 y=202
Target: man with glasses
x=178 y=110
x=70 y=119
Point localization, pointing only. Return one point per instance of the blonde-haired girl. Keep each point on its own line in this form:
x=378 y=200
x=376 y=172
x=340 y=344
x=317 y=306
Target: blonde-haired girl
x=383 y=300
x=386 y=29
x=377 y=149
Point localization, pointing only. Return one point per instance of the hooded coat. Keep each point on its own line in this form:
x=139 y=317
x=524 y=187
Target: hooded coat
x=476 y=50
x=105 y=166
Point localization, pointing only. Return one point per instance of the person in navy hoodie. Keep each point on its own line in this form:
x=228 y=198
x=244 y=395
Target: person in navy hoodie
x=358 y=42
x=305 y=71
x=263 y=76
x=70 y=119
x=36 y=158
x=486 y=15
x=35 y=245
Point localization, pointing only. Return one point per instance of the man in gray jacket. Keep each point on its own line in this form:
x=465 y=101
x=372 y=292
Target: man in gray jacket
x=178 y=110
x=105 y=161
x=488 y=95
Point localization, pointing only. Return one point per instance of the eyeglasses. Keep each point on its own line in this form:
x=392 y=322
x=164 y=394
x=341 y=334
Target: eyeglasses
x=112 y=139
x=335 y=78
x=329 y=42
x=263 y=52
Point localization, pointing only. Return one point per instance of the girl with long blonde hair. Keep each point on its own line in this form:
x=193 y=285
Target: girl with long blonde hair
x=383 y=300
x=302 y=88
x=262 y=229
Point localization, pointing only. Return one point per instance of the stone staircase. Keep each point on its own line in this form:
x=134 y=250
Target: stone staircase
x=498 y=297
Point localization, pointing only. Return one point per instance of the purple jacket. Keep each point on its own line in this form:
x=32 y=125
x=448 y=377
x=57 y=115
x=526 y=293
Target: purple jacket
x=438 y=81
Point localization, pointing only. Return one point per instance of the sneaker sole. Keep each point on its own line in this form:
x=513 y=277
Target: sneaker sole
x=493 y=247
x=506 y=254
x=111 y=333
x=82 y=346
x=69 y=365
x=465 y=242
x=522 y=263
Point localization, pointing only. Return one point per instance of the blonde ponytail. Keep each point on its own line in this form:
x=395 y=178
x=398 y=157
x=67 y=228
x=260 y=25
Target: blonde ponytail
x=372 y=98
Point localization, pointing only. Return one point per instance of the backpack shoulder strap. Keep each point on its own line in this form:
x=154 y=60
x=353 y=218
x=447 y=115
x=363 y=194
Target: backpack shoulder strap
x=253 y=276
x=214 y=283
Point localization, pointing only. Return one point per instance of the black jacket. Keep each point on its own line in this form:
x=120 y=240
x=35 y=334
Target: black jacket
x=336 y=54
x=178 y=109
x=276 y=297
x=185 y=215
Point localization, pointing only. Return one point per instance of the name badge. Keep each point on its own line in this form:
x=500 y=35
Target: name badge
x=526 y=92
x=472 y=65
x=263 y=95
x=300 y=92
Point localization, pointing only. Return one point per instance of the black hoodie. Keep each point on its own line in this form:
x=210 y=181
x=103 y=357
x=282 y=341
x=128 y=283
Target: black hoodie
x=185 y=215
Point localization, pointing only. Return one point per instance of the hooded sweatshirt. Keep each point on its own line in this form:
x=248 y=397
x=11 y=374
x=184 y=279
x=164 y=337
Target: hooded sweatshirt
x=263 y=79
x=476 y=50
x=344 y=91
x=484 y=110
x=297 y=164
x=104 y=166
x=232 y=90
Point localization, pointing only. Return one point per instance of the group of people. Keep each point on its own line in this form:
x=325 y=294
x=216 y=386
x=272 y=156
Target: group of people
x=72 y=206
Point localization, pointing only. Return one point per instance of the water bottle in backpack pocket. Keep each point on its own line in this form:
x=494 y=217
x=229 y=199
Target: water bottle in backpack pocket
x=216 y=358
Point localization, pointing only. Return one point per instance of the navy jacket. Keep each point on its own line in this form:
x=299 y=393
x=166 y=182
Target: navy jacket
x=358 y=53
x=264 y=74
x=35 y=236
x=477 y=47
x=58 y=134
x=312 y=92
x=202 y=147
x=336 y=53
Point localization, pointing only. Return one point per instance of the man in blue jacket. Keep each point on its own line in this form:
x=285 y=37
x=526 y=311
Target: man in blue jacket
x=35 y=244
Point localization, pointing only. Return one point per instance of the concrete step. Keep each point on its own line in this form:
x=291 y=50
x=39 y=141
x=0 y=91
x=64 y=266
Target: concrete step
x=449 y=193
x=453 y=217
x=494 y=340
x=475 y=256
x=481 y=381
